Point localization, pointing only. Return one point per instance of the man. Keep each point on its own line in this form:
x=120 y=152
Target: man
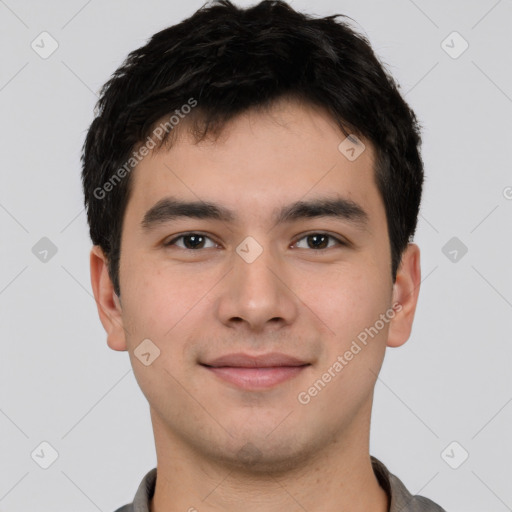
x=252 y=182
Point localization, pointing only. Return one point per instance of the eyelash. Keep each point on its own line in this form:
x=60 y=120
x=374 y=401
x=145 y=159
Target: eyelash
x=192 y=233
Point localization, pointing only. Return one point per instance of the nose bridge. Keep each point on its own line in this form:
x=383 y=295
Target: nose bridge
x=255 y=292
x=255 y=278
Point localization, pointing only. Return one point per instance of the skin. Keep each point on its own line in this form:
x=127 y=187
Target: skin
x=218 y=445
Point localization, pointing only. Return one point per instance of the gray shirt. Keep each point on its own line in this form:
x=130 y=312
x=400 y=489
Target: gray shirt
x=400 y=498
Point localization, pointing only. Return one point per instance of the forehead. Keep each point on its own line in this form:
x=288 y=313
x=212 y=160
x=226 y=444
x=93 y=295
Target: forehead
x=260 y=161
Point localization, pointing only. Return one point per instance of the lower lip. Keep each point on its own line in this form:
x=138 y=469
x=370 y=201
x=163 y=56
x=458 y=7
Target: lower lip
x=256 y=378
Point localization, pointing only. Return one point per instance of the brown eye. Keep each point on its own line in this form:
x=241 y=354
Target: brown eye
x=190 y=241
x=320 y=241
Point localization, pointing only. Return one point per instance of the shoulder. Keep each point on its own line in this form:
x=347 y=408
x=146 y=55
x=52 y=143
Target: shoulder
x=125 y=508
x=145 y=491
x=406 y=502
x=401 y=499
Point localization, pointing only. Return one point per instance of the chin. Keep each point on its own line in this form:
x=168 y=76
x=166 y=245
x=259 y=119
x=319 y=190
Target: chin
x=263 y=458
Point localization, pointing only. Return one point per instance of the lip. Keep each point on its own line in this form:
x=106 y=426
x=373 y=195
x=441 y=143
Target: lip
x=256 y=372
x=241 y=360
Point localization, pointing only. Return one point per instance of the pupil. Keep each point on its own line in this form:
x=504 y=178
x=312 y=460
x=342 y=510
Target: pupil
x=316 y=239
x=197 y=238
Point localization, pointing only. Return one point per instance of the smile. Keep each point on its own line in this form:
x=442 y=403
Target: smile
x=255 y=378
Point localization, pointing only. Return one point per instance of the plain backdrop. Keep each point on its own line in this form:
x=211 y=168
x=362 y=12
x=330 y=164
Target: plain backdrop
x=443 y=396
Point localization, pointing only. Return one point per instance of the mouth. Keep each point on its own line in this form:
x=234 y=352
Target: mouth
x=255 y=372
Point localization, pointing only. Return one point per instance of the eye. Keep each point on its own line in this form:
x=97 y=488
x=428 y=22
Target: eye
x=319 y=241
x=190 y=241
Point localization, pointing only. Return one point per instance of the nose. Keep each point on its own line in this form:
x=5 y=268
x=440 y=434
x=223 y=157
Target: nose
x=255 y=295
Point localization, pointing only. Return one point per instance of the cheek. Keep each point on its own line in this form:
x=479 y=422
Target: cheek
x=150 y=304
x=348 y=300
x=158 y=309
x=163 y=301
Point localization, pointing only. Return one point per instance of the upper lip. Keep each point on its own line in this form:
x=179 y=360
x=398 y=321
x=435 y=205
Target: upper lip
x=241 y=360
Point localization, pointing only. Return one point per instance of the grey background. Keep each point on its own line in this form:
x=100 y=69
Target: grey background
x=60 y=383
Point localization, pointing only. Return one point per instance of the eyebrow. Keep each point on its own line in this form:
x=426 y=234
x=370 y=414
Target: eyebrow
x=169 y=208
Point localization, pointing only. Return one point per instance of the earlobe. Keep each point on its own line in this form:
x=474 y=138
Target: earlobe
x=107 y=302
x=405 y=295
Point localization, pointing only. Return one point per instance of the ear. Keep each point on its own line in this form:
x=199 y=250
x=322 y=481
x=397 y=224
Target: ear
x=405 y=295
x=108 y=303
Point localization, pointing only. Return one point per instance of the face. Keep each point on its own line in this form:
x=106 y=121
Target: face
x=291 y=257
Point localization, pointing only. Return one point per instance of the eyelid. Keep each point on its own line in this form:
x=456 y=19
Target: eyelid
x=173 y=240
x=340 y=240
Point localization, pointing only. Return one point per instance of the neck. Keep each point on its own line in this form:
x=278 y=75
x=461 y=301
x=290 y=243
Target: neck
x=339 y=477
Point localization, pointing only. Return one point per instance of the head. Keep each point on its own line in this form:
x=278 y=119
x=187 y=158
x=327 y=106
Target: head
x=242 y=111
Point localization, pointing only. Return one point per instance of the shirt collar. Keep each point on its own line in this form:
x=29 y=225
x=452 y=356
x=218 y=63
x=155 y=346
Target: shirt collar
x=401 y=500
